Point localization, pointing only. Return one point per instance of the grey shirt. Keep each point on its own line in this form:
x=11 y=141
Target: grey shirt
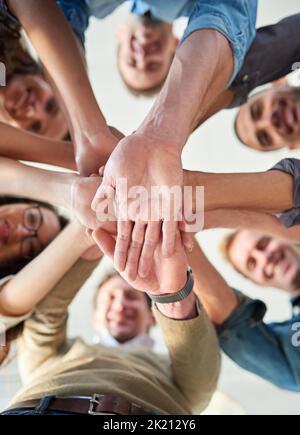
x=291 y=217
x=273 y=55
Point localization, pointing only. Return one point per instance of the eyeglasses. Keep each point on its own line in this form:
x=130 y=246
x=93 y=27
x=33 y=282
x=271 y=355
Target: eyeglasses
x=32 y=221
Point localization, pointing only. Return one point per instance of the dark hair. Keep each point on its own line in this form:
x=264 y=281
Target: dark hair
x=13 y=54
x=108 y=277
x=7 y=200
x=147 y=92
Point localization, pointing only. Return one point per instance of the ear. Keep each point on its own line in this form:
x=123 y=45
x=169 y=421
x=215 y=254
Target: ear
x=280 y=82
x=294 y=147
x=120 y=32
x=94 y=319
x=152 y=321
x=176 y=42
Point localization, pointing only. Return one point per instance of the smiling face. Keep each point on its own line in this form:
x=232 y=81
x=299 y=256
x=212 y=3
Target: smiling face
x=122 y=310
x=28 y=102
x=267 y=261
x=24 y=231
x=146 y=50
x=270 y=120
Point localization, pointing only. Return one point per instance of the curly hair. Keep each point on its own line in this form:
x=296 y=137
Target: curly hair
x=13 y=52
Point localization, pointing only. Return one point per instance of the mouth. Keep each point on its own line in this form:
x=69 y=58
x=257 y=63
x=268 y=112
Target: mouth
x=23 y=103
x=4 y=232
x=288 y=118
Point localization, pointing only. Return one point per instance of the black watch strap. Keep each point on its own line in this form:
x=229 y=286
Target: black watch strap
x=176 y=297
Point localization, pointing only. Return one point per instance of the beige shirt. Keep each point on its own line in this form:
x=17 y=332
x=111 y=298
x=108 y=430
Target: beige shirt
x=52 y=365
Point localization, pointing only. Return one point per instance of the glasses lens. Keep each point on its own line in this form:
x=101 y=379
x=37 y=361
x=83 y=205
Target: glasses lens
x=33 y=219
x=30 y=248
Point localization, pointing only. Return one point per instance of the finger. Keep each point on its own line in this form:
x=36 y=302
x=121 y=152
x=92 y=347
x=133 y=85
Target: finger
x=169 y=229
x=103 y=192
x=124 y=232
x=152 y=236
x=187 y=238
x=101 y=171
x=105 y=242
x=135 y=249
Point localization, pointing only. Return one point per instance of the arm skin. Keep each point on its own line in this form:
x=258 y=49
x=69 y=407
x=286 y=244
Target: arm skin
x=26 y=289
x=270 y=192
x=217 y=298
x=201 y=69
x=63 y=60
x=67 y=190
x=251 y=220
x=21 y=145
x=240 y=201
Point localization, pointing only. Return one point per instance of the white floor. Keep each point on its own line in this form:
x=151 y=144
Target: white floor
x=213 y=148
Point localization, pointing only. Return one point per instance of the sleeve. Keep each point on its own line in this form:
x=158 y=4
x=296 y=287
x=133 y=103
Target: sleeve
x=236 y=20
x=77 y=13
x=291 y=217
x=45 y=332
x=195 y=358
x=13 y=52
x=265 y=350
x=262 y=64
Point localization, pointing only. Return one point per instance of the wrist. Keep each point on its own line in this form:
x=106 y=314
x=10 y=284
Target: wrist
x=162 y=135
x=184 y=310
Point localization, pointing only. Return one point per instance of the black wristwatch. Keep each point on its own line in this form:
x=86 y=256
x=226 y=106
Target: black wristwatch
x=176 y=297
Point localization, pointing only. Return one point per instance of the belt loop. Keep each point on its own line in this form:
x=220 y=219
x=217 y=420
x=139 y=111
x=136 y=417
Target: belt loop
x=43 y=405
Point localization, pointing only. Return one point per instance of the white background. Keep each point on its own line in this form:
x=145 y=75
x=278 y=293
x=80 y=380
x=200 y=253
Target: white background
x=213 y=149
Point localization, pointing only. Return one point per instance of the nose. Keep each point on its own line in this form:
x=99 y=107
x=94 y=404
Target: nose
x=21 y=232
x=261 y=259
x=264 y=123
x=119 y=304
x=140 y=58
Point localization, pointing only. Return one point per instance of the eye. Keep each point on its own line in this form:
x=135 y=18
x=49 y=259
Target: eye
x=264 y=139
x=36 y=127
x=263 y=243
x=251 y=264
x=152 y=67
x=51 y=107
x=256 y=111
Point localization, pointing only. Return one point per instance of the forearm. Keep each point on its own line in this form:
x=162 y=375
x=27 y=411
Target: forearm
x=21 y=145
x=25 y=290
x=271 y=192
x=17 y=179
x=221 y=102
x=62 y=58
x=184 y=310
x=200 y=71
x=251 y=220
x=217 y=298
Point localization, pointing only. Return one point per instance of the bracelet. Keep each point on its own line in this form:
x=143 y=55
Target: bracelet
x=176 y=297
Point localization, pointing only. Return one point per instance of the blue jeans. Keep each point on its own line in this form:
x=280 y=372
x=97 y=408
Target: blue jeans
x=41 y=409
x=271 y=351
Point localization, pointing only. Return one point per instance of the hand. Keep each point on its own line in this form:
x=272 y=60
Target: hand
x=167 y=275
x=143 y=162
x=93 y=152
x=82 y=194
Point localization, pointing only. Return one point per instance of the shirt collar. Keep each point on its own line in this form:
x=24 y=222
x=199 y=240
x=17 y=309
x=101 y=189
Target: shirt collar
x=106 y=339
